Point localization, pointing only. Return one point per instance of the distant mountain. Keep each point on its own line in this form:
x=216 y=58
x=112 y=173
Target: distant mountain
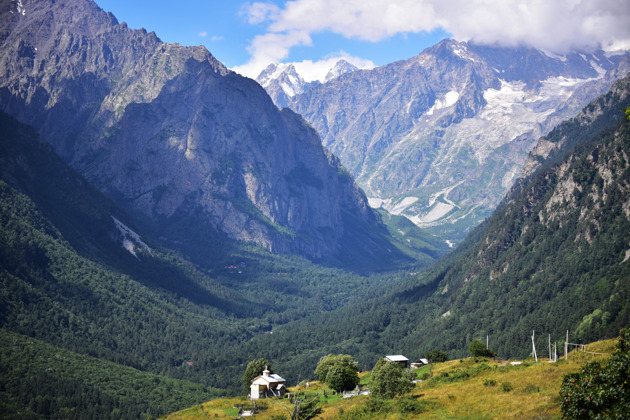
x=555 y=256
x=196 y=152
x=282 y=81
x=341 y=67
x=441 y=137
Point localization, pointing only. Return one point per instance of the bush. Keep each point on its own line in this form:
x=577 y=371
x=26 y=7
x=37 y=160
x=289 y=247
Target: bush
x=390 y=379
x=478 y=349
x=327 y=362
x=436 y=356
x=340 y=378
x=531 y=389
x=506 y=386
x=409 y=405
x=600 y=390
x=489 y=382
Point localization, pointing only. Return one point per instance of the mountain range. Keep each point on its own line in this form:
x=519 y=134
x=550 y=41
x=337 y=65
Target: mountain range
x=163 y=222
x=441 y=137
x=189 y=147
x=282 y=81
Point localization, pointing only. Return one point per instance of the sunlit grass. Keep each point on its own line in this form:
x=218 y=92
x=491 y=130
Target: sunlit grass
x=467 y=388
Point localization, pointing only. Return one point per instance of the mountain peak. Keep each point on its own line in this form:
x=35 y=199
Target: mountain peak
x=341 y=67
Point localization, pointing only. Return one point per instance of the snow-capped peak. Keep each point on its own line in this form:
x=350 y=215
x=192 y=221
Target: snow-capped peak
x=341 y=67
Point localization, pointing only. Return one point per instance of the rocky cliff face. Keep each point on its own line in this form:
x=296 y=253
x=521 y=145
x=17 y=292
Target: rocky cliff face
x=169 y=131
x=442 y=136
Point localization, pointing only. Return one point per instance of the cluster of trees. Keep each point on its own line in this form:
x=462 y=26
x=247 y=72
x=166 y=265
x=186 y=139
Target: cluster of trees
x=338 y=371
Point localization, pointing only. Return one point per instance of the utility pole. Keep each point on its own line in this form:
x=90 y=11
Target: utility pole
x=534 y=346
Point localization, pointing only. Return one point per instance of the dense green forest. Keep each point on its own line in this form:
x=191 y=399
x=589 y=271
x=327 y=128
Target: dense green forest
x=43 y=381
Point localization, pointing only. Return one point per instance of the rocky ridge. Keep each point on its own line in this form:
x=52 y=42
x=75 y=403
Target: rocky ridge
x=170 y=132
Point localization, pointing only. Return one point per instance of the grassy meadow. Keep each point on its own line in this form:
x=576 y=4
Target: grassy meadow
x=465 y=388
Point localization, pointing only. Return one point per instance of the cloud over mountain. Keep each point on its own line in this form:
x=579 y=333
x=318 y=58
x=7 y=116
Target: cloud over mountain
x=551 y=26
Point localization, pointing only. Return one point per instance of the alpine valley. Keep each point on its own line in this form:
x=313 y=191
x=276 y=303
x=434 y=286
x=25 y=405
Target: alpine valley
x=163 y=223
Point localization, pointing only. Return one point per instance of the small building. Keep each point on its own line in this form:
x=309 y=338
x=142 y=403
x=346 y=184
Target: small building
x=398 y=358
x=267 y=385
x=419 y=363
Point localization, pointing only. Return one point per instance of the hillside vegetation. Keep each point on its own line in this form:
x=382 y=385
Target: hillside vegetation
x=464 y=388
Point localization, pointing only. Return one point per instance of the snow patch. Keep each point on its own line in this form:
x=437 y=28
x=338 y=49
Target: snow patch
x=449 y=100
x=597 y=68
x=131 y=240
x=437 y=212
x=287 y=89
x=449 y=243
x=375 y=202
x=403 y=205
x=20 y=8
x=554 y=56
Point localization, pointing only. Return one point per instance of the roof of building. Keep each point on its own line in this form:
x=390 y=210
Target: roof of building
x=423 y=361
x=267 y=378
x=397 y=358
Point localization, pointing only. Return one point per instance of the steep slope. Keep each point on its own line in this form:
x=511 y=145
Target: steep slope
x=42 y=381
x=441 y=137
x=553 y=257
x=173 y=135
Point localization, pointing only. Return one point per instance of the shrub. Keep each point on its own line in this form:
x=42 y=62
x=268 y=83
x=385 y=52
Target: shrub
x=600 y=390
x=489 y=382
x=409 y=405
x=436 y=356
x=506 y=386
x=390 y=379
x=478 y=349
x=531 y=389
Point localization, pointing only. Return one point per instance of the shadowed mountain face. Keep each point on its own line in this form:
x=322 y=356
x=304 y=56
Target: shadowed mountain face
x=172 y=134
x=441 y=137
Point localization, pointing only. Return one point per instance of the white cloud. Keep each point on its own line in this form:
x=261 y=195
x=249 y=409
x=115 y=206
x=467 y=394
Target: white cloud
x=203 y=34
x=547 y=24
x=270 y=48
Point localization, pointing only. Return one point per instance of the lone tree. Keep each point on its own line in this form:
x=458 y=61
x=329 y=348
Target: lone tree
x=478 y=349
x=340 y=378
x=600 y=390
x=390 y=379
x=254 y=368
x=327 y=362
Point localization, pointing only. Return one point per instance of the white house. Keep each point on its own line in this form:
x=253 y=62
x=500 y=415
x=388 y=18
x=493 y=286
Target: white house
x=267 y=385
x=398 y=358
x=418 y=363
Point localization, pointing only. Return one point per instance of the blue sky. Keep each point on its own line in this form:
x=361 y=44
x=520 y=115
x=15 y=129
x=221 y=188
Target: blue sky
x=247 y=36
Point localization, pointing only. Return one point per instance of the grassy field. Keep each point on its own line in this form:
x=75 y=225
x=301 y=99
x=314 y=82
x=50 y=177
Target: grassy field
x=467 y=388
